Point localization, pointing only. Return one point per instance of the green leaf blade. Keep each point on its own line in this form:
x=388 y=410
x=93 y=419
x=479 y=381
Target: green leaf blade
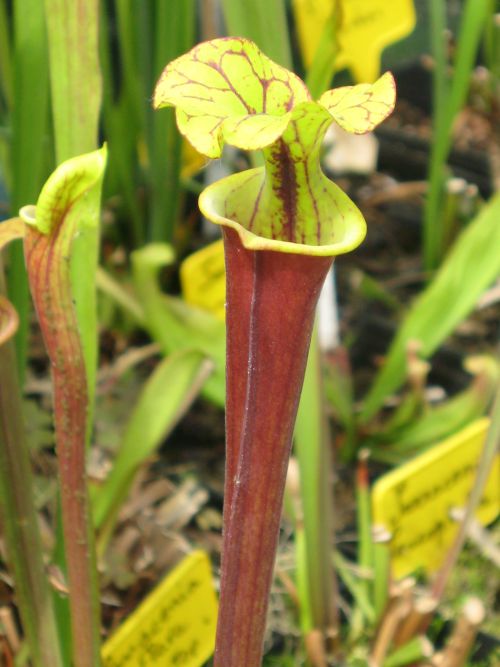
x=166 y=396
x=443 y=305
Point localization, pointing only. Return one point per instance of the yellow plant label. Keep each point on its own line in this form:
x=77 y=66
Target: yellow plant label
x=203 y=279
x=192 y=161
x=414 y=501
x=365 y=28
x=174 y=626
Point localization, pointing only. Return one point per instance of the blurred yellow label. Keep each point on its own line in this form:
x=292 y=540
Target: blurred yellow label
x=192 y=161
x=174 y=626
x=366 y=27
x=414 y=501
x=203 y=279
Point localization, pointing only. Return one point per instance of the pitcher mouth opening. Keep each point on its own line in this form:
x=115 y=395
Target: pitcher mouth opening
x=232 y=201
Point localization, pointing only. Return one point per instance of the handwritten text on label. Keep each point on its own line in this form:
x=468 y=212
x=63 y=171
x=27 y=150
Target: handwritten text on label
x=414 y=501
x=174 y=626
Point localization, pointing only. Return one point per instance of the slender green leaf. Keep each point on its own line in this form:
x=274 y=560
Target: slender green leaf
x=439 y=44
x=28 y=150
x=75 y=79
x=314 y=548
x=6 y=56
x=416 y=649
x=75 y=76
x=320 y=73
x=112 y=288
x=364 y=521
x=340 y=395
x=471 y=29
x=253 y=20
x=472 y=264
x=123 y=115
x=444 y=419
x=165 y=398
x=174 y=34
x=381 y=569
x=174 y=324
x=355 y=587
x=447 y=103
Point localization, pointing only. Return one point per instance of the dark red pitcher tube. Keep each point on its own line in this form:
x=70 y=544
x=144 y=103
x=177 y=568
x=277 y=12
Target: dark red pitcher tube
x=271 y=300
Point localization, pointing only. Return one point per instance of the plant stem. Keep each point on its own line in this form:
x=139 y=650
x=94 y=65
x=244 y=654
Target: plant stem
x=266 y=355
x=364 y=525
x=19 y=518
x=411 y=653
x=313 y=453
x=49 y=276
x=357 y=590
x=381 y=568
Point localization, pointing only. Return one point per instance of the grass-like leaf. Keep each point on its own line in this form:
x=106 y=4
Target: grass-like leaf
x=449 y=97
x=29 y=158
x=165 y=397
x=174 y=324
x=472 y=264
x=253 y=19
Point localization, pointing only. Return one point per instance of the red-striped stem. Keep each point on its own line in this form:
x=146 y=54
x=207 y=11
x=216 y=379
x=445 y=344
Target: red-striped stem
x=50 y=231
x=268 y=334
x=272 y=287
x=19 y=519
x=47 y=262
